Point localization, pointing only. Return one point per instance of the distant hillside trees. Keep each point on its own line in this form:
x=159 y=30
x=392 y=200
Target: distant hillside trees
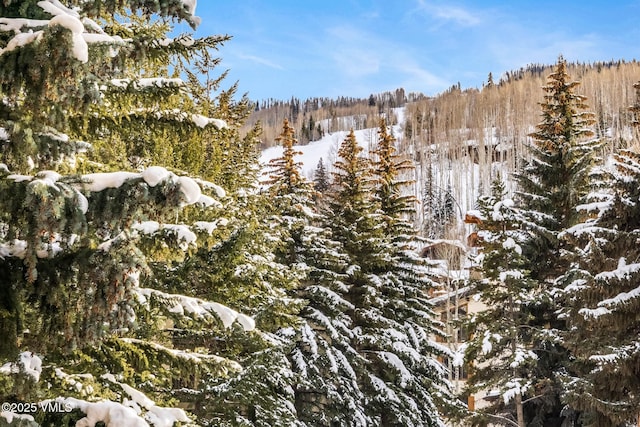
x=466 y=136
x=314 y=117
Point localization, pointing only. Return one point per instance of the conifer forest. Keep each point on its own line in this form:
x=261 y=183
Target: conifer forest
x=474 y=262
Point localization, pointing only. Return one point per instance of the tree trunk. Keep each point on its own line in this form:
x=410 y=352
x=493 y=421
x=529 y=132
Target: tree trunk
x=519 y=410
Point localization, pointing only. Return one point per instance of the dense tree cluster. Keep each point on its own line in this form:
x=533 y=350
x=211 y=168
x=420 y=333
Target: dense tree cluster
x=559 y=340
x=172 y=286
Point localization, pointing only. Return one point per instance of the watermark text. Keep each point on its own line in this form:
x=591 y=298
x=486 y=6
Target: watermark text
x=33 y=407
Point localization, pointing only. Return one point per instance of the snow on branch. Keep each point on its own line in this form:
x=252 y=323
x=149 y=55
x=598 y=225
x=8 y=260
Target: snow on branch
x=623 y=271
x=196 y=308
x=514 y=387
x=153 y=176
x=186 y=355
x=147 y=82
x=63 y=17
x=180 y=116
x=394 y=362
x=28 y=362
x=182 y=232
x=115 y=414
x=606 y=306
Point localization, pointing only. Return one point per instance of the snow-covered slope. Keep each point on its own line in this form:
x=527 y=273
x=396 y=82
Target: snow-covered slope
x=327 y=147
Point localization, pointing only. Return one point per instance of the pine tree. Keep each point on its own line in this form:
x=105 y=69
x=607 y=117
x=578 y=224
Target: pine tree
x=406 y=281
x=80 y=250
x=502 y=346
x=556 y=178
x=398 y=377
x=321 y=181
x=603 y=385
x=238 y=265
x=286 y=171
x=326 y=391
x=550 y=187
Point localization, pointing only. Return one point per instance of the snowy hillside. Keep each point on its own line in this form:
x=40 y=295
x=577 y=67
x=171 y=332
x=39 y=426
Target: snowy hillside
x=461 y=177
x=327 y=147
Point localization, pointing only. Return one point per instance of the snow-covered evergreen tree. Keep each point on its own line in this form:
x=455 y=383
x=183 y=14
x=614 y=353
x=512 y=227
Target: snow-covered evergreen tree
x=603 y=297
x=326 y=390
x=82 y=246
x=502 y=347
x=321 y=181
x=401 y=381
x=550 y=187
x=403 y=299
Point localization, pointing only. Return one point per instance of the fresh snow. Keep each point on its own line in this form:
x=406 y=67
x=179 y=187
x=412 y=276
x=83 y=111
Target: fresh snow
x=487 y=345
x=220 y=192
x=203 y=121
x=112 y=414
x=394 y=361
x=80 y=48
x=190 y=189
x=17 y=24
x=11 y=416
x=510 y=244
x=383 y=391
x=521 y=356
x=325 y=148
x=102 y=180
x=514 y=387
x=181 y=354
x=154 y=175
x=623 y=271
x=190 y=6
x=147 y=82
x=198 y=308
x=28 y=362
x=165 y=417
x=183 y=233
x=21 y=39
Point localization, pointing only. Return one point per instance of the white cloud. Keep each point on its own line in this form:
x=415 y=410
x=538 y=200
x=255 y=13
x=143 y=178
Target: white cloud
x=353 y=51
x=367 y=62
x=450 y=13
x=521 y=48
x=260 y=60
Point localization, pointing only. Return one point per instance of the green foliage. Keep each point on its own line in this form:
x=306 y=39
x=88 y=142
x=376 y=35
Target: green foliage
x=603 y=383
x=550 y=188
x=321 y=181
x=320 y=354
x=98 y=261
x=391 y=319
x=556 y=180
x=503 y=345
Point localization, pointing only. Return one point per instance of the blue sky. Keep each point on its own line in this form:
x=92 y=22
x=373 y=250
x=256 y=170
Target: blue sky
x=309 y=48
